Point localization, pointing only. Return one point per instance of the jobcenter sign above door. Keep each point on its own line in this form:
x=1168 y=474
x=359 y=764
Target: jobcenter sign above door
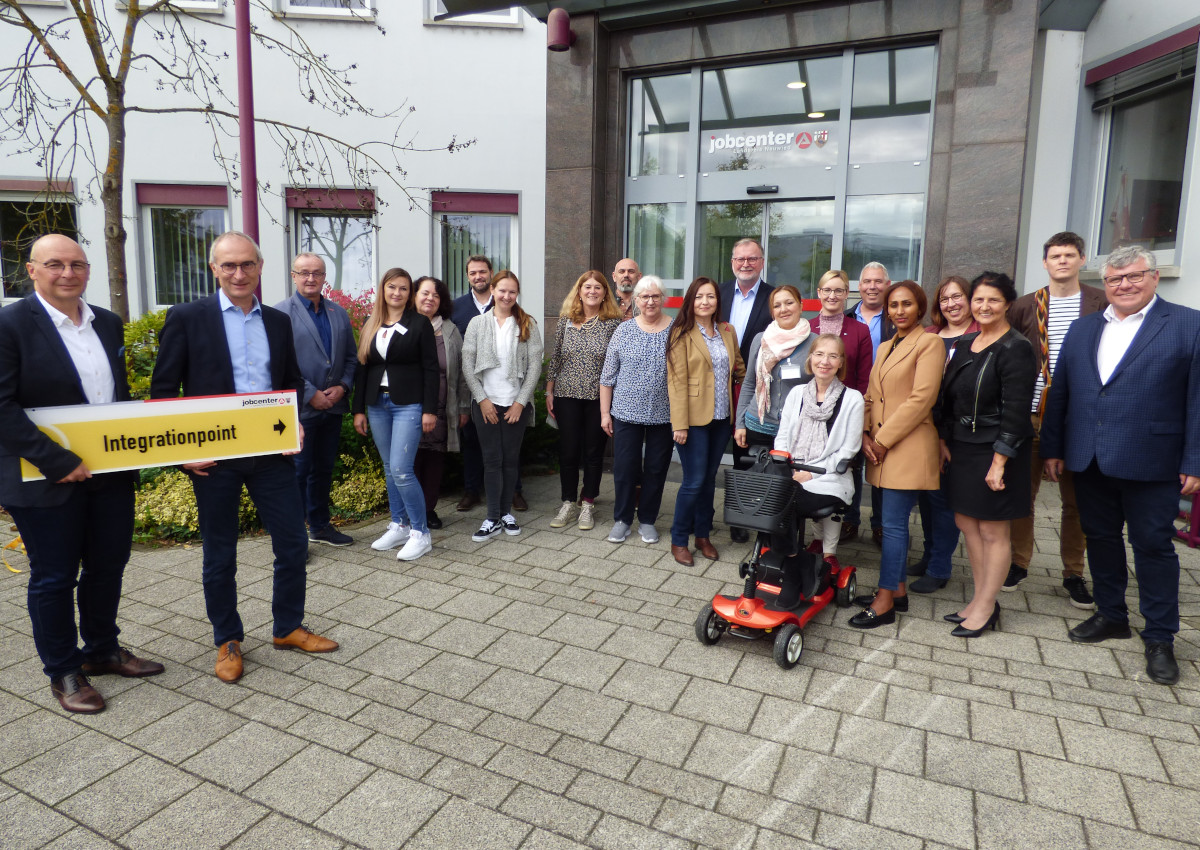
x=137 y=434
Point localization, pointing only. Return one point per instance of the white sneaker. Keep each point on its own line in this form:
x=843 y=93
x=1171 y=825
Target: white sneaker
x=509 y=523
x=487 y=531
x=649 y=533
x=619 y=533
x=396 y=534
x=587 y=519
x=418 y=544
x=566 y=513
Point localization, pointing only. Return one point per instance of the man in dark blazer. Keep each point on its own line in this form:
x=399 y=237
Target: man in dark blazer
x=328 y=357
x=229 y=343
x=1122 y=416
x=56 y=349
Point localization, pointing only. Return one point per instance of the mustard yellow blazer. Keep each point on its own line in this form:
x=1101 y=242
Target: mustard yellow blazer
x=691 y=385
x=898 y=412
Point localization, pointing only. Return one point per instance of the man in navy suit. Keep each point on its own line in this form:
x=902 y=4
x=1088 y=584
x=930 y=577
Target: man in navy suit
x=229 y=343
x=328 y=357
x=56 y=349
x=1122 y=415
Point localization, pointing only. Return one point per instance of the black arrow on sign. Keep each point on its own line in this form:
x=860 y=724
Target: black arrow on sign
x=279 y=426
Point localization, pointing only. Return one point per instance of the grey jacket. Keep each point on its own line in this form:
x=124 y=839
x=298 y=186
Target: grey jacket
x=458 y=394
x=322 y=371
x=748 y=399
x=479 y=355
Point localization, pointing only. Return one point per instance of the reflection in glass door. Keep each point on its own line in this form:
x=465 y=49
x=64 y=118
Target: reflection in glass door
x=797 y=238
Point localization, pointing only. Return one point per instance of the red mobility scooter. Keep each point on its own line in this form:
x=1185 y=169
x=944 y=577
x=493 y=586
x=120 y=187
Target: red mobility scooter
x=786 y=585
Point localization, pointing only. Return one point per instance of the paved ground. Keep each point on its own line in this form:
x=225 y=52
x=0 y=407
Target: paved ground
x=546 y=692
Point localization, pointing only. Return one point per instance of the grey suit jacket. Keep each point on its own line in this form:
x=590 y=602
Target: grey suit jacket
x=322 y=371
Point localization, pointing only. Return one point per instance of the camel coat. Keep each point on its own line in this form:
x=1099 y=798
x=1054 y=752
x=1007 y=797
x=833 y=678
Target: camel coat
x=691 y=386
x=897 y=412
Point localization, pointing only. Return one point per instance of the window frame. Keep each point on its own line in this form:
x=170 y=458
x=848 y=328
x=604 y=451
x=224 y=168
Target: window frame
x=350 y=203
x=296 y=9
x=33 y=192
x=184 y=196
x=495 y=204
x=515 y=20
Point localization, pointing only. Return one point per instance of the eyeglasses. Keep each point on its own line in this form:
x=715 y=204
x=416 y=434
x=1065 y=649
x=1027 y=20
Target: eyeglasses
x=951 y=299
x=56 y=267
x=747 y=261
x=829 y=293
x=1133 y=277
x=645 y=297
x=822 y=355
x=313 y=275
x=246 y=267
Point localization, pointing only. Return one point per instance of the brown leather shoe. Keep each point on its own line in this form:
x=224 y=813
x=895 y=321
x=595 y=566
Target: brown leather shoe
x=877 y=537
x=468 y=501
x=704 y=547
x=682 y=555
x=519 y=503
x=75 y=694
x=305 y=641
x=849 y=533
x=121 y=662
x=229 y=661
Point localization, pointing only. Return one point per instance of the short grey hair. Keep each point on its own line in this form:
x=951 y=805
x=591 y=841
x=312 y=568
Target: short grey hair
x=876 y=265
x=306 y=255
x=1130 y=254
x=747 y=241
x=229 y=234
x=647 y=281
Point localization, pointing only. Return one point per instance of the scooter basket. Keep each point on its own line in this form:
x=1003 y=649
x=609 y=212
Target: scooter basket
x=761 y=501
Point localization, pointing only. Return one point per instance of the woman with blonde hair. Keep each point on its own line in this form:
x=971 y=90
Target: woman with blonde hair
x=589 y=316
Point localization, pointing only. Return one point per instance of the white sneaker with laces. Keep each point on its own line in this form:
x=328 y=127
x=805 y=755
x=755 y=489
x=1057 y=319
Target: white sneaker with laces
x=396 y=534
x=587 y=518
x=418 y=544
x=565 y=514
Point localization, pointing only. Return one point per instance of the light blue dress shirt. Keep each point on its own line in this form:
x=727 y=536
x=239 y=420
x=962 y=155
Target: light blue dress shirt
x=246 y=336
x=739 y=310
x=874 y=325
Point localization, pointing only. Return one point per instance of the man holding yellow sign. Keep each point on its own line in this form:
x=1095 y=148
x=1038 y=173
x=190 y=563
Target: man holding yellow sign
x=229 y=343
x=57 y=350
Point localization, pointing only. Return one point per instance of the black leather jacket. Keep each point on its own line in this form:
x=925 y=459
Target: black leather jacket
x=990 y=404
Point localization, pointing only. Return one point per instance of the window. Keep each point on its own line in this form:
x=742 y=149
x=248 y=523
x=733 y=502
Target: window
x=338 y=225
x=180 y=224
x=22 y=221
x=474 y=223
x=891 y=108
x=338 y=9
x=1145 y=113
x=659 y=125
x=658 y=237
x=884 y=229
x=435 y=9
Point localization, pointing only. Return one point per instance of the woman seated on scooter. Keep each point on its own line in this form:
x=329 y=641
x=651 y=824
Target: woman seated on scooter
x=821 y=425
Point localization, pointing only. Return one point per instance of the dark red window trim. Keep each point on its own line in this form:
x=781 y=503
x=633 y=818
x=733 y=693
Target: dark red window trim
x=65 y=187
x=1143 y=55
x=476 y=202
x=345 y=200
x=182 y=195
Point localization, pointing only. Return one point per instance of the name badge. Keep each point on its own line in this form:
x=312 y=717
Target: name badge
x=791 y=373
x=400 y=329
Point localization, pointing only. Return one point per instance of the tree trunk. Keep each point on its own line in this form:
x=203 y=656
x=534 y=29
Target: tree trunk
x=112 y=194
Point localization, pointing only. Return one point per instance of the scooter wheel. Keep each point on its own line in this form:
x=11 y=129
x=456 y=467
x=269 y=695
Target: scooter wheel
x=789 y=644
x=845 y=595
x=708 y=626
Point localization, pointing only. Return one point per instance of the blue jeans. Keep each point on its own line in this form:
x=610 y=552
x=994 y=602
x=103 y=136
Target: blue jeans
x=941 y=532
x=853 y=515
x=1148 y=509
x=397 y=433
x=630 y=470
x=271 y=481
x=893 y=561
x=701 y=458
x=314 y=465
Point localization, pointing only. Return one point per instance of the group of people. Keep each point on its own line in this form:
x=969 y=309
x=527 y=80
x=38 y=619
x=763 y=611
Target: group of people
x=1096 y=388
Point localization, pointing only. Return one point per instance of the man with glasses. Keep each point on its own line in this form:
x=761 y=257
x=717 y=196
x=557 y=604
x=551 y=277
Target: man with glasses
x=745 y=304
x=327 y=356
x=56 y=349
x=1122 y=417
x=223 y=344
x=625 y=276
x=1044 y=316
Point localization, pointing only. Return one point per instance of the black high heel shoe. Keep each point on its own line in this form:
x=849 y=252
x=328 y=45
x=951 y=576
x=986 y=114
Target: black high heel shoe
x=954 y=618
x=992 y=623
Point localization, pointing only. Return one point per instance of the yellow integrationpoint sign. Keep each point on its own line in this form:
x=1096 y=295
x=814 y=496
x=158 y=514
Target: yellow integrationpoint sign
x=136 y=434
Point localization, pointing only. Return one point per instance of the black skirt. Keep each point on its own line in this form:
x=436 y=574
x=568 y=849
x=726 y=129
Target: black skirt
x=967 y=489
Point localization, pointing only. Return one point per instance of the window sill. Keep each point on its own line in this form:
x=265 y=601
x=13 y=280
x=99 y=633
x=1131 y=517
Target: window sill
x=367 y=16
x=491 y=25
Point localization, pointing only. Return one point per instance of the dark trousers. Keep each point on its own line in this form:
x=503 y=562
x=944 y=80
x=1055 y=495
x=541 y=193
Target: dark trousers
x=581 y=443
x=854 y=512
x=472 y=457
x=1148 y=508
x=271 y=481
x=940 y=531
x=700 y=457
x=83 y=541
x=630 y=469
x=428 y=467
x=314 y=466
x=501 y=446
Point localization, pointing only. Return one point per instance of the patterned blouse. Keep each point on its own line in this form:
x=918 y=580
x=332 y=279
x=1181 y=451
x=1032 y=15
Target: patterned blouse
x=578 y=357
x=636 y=369
x=720 y=360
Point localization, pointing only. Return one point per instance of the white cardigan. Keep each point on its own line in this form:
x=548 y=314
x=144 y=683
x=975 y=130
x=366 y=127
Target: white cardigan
x=843 y=443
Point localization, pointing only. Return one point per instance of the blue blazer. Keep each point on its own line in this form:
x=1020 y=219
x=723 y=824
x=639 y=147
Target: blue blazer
x=194 y=354
x=37 y=371
x=464 y=311
x=1144 y=424
x=322 y=370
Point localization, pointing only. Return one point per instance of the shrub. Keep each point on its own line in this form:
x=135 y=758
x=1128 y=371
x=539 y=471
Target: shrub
x=141 y=350
x=358 y=306
x=361 y=491
x=166 y=508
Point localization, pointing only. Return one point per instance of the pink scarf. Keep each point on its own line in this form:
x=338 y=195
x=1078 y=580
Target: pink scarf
x=777 y=344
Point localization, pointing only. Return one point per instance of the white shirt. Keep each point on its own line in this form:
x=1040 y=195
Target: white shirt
x=1116 y=338
x=739 y=310
x=482 y=308
x=86 y=350
x=1059 y=316
x=497 y=386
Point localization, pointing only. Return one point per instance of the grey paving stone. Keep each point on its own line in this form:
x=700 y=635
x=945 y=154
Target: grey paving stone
x=456 y=743
x=887 y=745
x=464 y=637
x=846 y=834
x=207 y=816
x=927 y=711
x=602 y=760
x=1102 y=836
x=80 y=838
x=59 y=773
x=128 y=796
x=363 y=611
x=796 y=724
x=652 y=734
x=838 y=692
x=1156 y=727
x=1165 y=810
x=451 y=711
x=382 y=812
x=469 y=782
x=980 y=767
x=473 y=605
x=309 y=783
x=386 y=692
x=1087 y=658
x=639 y=645
x=579 y=631
x=1112 y=749
x=551 y=812
x=394 y=658
x=274 y=832
x=769 y=812
x=520 y=652
x=332 y=732
x=1182 y=762
x=615 y=798
x=510 y=730
x=704 y=826
x=460 y=824
x=513 y=693
x=843 y=787
x=525 y=618
x=614 y=833
x=929 y=809
x=539 y=839
x=412 y=623
x=721 y=705
x=533 y=769
x=396 y=755
x=1059 y=708
x=582 y=668
x=1003 y=824
x=735 y=758
x=329 y=700
x=450 y=675
x=244 y=756
x=1018 y=729
x=1075 y=789
x=24 y=822
x=768 y=840
x=645 y=685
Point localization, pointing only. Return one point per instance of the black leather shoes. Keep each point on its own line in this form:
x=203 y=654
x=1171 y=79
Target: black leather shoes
x=74 y=693
x=899 y=603
x=121 y=662
x=738 y=535
x=868 y=619
x=927 y=584
x=433 y=520
x=1095 y=629
x=1160 y=663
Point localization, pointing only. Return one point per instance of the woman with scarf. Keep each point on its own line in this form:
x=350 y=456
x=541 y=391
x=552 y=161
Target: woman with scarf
x=821 y=425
